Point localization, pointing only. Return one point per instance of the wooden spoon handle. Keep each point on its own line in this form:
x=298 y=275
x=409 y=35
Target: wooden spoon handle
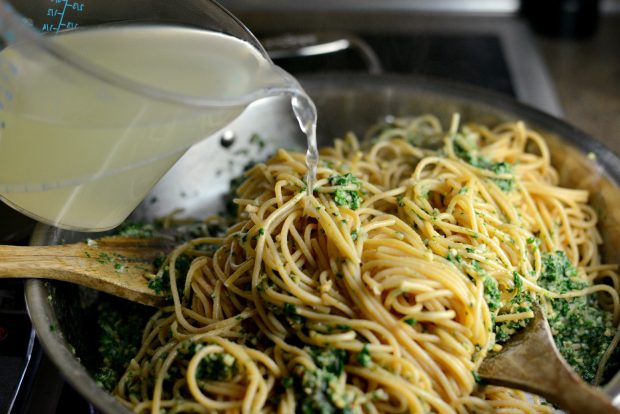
x=114 y=265
x=51 y=262
x=578 y=397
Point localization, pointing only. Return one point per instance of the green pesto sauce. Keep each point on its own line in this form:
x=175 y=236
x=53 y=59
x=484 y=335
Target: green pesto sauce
x=120 y=326
x=219 y=366
x=581 y=328
x=216 y=366
x=478 y=161
x=491 y=293
x=318 y=390
x=521 y=302
x=347 y=192
x=364 y=357
x=161 y=284
x=138 y=230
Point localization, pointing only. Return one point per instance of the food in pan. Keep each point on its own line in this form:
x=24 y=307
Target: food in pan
x=381 y=289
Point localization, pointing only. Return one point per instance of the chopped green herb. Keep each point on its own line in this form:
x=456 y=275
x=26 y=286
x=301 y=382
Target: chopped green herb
x=320 y=390
x=157 y=285
x=499 y=168
x=522 y=302
x=219 y=366
x=533 y=240
x=331 y=360
x=477 y=377
x=161 y=284
x=287 y=382
x=363 y=357
x=106 y=377
x=290 y=312
x=138 y=230
x=491 y=293
x=104 y=258
x=517 y=281
x=454 y=257
x=120 y=325
x=348 y=193
x=582 y=330
x=258 y=140
x=354 y=235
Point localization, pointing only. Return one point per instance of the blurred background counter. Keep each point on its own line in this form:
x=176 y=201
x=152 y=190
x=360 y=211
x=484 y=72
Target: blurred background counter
x=586 y=74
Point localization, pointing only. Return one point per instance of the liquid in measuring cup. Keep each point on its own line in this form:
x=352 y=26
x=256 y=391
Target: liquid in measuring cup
x=80 y=153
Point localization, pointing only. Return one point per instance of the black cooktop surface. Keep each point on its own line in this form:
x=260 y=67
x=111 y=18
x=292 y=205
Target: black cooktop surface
x=475 y=59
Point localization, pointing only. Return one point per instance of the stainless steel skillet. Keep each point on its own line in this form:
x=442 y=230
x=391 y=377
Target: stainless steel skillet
x=345 y=102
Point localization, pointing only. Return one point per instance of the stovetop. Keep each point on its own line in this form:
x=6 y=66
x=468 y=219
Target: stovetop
x=494 y=53
x=476 y=59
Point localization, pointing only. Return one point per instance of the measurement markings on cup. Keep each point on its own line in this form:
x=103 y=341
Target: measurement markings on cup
x=59 y=12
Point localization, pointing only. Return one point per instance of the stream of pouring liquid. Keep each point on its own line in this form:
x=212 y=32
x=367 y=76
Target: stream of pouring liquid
x=306 y=115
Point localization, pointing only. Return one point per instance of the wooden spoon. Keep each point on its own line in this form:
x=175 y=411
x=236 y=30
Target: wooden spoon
x=114 y=264
x=531 y=362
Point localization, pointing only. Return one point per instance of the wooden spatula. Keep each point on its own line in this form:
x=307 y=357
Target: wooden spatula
x=114 y=264
x=529 y=361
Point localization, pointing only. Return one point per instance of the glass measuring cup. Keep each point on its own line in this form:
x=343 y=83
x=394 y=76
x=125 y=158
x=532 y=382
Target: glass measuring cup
x=99 y=98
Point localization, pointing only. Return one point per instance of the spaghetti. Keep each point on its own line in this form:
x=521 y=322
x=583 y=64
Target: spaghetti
x=382 y=289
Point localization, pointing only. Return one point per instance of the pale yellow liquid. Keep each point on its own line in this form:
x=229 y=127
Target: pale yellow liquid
x=79 y=153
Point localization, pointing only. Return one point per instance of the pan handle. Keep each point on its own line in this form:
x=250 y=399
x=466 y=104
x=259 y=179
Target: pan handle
x=321 y=43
